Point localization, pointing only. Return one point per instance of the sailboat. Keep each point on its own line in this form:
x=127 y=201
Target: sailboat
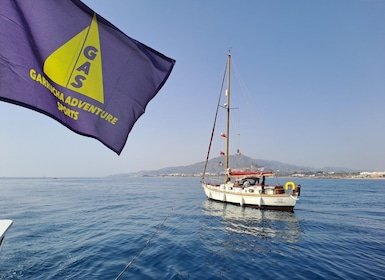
x=245 y=187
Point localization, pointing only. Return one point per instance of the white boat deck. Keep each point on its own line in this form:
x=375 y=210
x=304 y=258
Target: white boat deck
x=4 y=226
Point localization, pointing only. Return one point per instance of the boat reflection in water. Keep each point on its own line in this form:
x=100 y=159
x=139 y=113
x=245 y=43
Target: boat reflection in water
x=248 y=229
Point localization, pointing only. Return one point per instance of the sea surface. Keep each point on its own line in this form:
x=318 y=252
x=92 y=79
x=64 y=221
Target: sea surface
x=165 y=228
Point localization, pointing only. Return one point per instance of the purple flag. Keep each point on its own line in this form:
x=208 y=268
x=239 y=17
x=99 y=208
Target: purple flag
x=63 y=60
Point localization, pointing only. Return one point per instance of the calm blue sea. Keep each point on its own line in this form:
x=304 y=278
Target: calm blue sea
x=165 y=228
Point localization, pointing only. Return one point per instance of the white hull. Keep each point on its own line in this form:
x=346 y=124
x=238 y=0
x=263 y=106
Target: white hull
x=4 y=226
x=251 y=196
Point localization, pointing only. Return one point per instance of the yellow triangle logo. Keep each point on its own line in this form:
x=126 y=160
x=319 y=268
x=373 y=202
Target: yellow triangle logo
x=77 y=65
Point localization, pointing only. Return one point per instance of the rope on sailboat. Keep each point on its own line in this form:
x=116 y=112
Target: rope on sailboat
x=215 y=121
x=145 y=245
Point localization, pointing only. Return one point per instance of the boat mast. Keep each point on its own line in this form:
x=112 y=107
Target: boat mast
x=228 y=117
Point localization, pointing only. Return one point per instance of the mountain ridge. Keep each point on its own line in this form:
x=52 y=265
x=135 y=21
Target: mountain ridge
x=216 y=165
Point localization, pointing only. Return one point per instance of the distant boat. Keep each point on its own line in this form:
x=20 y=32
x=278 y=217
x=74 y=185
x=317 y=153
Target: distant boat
x=247 y=188
x=4 y=226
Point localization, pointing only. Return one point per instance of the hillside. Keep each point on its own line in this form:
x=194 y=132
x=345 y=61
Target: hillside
x=237 y=162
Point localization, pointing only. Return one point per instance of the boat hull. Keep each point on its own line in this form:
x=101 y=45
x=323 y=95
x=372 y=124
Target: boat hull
x=251 y=197
x=4 y=226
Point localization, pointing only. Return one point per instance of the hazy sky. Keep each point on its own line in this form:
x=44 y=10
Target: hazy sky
x=314 y=74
